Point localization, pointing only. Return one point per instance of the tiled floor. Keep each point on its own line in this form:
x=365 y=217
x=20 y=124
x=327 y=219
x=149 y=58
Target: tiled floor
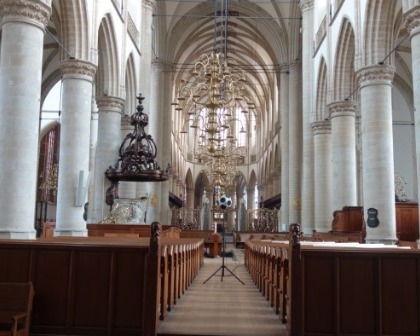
x=222 y=305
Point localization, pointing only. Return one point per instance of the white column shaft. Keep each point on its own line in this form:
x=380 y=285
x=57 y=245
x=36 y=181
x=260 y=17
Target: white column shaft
x=74 y=147
x=284 y=146
x=20 y=91
x=378 y=153
x=109 y=142
x=322 y=173
x=307 y=212
x=295 y=142
x=413 y=25
x=344 y=154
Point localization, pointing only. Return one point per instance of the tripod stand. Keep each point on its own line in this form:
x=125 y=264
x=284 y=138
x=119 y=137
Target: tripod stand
x=223 y=267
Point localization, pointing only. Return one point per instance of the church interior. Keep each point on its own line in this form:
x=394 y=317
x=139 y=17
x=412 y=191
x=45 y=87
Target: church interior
x=209 y=167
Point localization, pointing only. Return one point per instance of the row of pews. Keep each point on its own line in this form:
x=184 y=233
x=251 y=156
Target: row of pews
x=181 y=259
x=330 y=288
x=120 y=285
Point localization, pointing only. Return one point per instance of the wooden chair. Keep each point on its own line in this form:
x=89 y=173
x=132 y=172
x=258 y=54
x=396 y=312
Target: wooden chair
x=15 y=308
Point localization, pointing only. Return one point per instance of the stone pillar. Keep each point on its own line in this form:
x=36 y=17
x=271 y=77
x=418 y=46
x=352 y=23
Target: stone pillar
x=126 y=189
x=250 y=196
x=166 y=130
x=92 y=153
x=74 y=147
x=146 y=82
x=344 y=165
x=190 y=197
x=413 y=26
x=261 y=194
x=174 y=185
x=307 y=212
x=284 y=145
x=22 y=37
x=295 y=141
x=109 y=142
x=322 y=173
x=378 y=154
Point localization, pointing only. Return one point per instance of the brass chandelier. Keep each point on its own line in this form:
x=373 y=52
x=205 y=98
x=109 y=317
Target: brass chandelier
x=213 y=98
x=215 y=104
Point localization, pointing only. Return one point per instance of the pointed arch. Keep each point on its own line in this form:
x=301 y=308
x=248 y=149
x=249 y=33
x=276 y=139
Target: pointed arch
x=107 y=79
x=130 y=86
x=378 y=34
x=321 y=93
x=252 y=180
x=75 y=30
x=344 y=73
x=201 y=183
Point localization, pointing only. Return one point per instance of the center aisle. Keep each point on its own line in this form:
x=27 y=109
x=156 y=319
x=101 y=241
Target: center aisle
x=222 y=307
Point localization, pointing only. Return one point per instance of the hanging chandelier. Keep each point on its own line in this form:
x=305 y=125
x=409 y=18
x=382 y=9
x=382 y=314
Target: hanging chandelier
x=215 y=103
x=212 y=98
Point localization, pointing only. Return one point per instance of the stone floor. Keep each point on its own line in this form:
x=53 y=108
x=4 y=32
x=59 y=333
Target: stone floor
x=222 y=305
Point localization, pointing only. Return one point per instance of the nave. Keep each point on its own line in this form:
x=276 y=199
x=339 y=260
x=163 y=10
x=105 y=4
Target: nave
x=225 y=307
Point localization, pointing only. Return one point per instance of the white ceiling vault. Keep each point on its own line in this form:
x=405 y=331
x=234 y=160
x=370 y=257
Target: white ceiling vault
x=261 y=36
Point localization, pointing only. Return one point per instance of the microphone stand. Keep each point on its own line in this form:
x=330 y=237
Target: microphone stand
x=223 y=267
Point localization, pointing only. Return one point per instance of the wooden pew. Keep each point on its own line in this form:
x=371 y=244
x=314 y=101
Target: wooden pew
x=99 y=230
x=327 y=288
x=70 y=274
x=181 y=259
x=15 y=308
x=241 y=237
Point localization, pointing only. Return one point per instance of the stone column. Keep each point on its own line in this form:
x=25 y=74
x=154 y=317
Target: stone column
x=109 y=142
x=92 y=153
x=174 y=184
x=322 y=173
x=160 y=129
x=250 y=196
x=74 y=147
x=166 y=131
x=126 y=189
x=146 y=82
x=190 y=198
x=284 y=145
x=378 y=153
x=413 y=26
x=307 y=212
x=344 y=163
x=295 y=141
x=22 y=37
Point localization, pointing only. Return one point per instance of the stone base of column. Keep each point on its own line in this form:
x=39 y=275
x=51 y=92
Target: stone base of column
x=70 y=233
x=17 y=235
x=323 y=230
x=381 y=241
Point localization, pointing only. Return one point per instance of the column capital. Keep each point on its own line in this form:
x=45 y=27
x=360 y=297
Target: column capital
x=295 y=65
x=110 y=103
x=284 y=68
x=342 y=108
x=149 y=3
x=376 y=75
x=78 y=69
x=321 y=127
x=160 y=65
x=306 y=5
x=126 y=122
x=412 y=20
x=36 y=12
